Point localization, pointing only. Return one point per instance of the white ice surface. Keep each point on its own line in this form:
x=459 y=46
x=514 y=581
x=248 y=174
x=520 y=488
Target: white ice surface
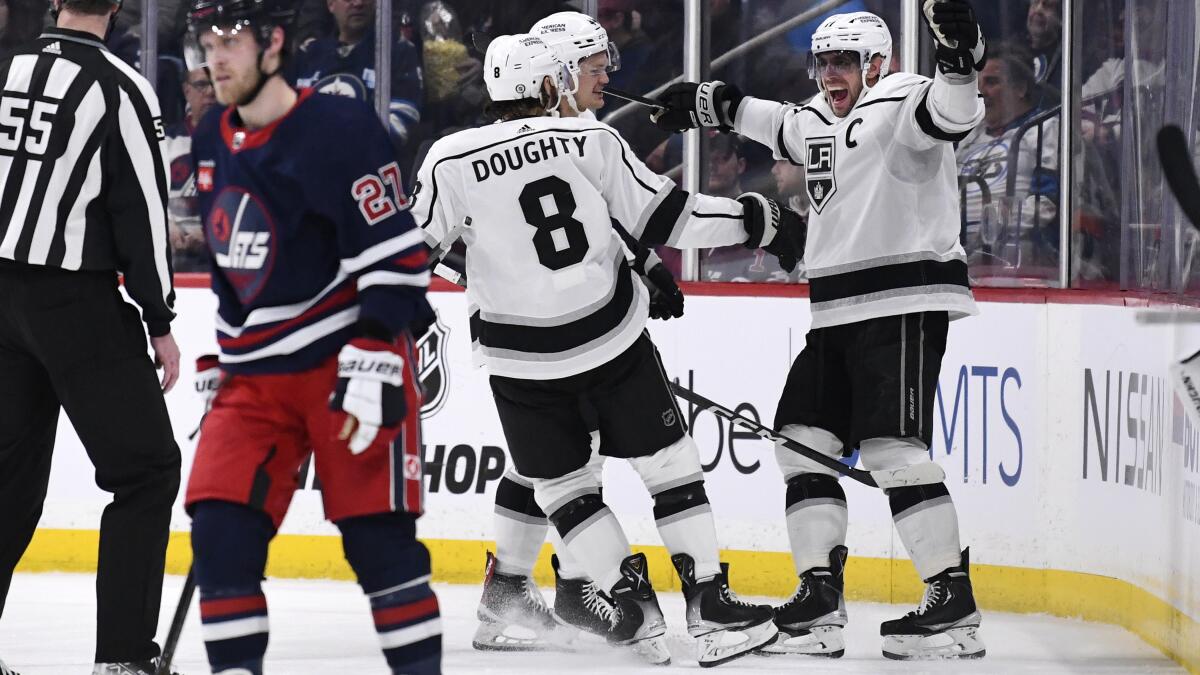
x=324 y=627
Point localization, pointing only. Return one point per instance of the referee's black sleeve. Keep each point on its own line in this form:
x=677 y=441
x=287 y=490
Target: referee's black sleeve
x=137 y=199
x=83 y=176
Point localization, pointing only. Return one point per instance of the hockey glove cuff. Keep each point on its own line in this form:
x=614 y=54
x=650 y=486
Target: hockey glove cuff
x=688 y=105
x=208 y=379
x=370 y=393
x=666 y=300
x=778 y=231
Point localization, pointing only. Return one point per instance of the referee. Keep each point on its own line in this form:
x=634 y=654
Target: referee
x=83 y=193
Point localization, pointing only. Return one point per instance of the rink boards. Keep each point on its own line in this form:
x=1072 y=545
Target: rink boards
x=1075 y=472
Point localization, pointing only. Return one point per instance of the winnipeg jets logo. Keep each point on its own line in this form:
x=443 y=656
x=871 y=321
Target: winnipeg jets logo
x=819 y=171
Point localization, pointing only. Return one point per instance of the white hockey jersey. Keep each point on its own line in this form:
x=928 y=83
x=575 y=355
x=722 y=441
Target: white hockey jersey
x=883 y=223
x=550 y=292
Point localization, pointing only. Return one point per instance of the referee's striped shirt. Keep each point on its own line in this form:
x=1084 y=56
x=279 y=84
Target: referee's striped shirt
x=83 y=175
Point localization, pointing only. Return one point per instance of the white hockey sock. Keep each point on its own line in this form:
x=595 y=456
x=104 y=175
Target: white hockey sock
x=518 y=543
x=599 y=545
x=816 y=519
x=568 y=566
x=693 y=532
x=520 y=526
x=928 y=525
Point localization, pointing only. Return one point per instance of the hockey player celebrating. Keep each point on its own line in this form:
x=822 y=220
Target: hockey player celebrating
x=318 y=273
x=510 y=597
x=558 y=318
x=887 y=273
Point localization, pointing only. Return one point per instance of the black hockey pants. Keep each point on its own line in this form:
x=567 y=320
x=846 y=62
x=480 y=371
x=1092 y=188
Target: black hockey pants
x=68 y=339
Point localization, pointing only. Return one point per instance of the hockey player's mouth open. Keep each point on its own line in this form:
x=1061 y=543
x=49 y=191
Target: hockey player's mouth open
x=838 y=96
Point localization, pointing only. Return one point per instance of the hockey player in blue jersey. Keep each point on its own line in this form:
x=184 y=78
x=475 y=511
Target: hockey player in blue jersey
x=319 y=274
x=344 y=64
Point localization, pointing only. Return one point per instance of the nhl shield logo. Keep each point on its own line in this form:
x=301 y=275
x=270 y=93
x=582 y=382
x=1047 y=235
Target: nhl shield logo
x=431 y=368
x=819 y=171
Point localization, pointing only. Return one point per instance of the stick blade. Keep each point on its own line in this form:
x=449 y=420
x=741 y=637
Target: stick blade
x=1175 y=156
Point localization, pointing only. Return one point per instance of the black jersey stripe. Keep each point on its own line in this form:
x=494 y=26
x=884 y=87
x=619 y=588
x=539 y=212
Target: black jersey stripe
x=554 y=339
x=888 y=277
x=71 y=191
x=931 y=129
x=662 y=222
x=891 y=99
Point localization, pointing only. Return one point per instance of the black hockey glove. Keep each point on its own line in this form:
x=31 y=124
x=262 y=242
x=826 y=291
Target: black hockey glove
x=960 y=46
x=666 y=300
x=777 y=230
x=687 y=105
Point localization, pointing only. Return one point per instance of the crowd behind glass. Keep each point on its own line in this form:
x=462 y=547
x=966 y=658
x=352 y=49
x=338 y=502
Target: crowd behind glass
x=1134 y=68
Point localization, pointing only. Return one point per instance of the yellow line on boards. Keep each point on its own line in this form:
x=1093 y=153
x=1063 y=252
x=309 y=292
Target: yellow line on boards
x=1010 y=589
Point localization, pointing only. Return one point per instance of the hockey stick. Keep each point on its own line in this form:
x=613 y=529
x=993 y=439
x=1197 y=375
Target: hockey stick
x=920 y=474
x=1176 y=162
x=633 y=98
x=181 y=610
x=1180 y=174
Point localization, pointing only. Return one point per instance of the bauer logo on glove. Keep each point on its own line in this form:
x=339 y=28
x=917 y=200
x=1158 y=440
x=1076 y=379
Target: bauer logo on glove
x=370 y=391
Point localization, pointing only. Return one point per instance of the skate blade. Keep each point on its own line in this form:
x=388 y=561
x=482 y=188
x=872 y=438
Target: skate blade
x=498 y=637
x=962 y=642
x=823 y=641
x=713 y=649
x=653 y=650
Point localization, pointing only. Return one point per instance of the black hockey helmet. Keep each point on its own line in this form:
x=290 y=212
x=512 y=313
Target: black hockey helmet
x=261 y=16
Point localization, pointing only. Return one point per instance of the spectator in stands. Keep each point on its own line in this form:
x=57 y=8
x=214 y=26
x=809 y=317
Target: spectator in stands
x=344 y=64
x=726 y=171
x=790 y=187
x=622 y=24
x=187 y=235
x=20 y=22
x=1019 y=229
x=1044 y=26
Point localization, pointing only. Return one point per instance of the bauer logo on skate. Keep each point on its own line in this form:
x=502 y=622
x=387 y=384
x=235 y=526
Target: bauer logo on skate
x=240 y=234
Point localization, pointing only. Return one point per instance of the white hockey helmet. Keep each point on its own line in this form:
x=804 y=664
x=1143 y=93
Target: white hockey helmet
x=574 y=37
x=516 y=65
x=861 y=32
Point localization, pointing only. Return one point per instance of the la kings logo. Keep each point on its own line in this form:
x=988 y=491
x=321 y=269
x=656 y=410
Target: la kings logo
x=819 y=171
x=431 y=368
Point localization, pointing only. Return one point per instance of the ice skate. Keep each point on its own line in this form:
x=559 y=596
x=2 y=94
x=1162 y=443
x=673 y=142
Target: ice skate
x=126 y=668
x=581 y=603
x=638 y=620
x=811 y=621
x=725 y=628
x=5 y=670
x=513 y=616
x=944 y=626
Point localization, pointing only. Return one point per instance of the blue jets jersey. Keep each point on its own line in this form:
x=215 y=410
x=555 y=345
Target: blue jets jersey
x=349 y=70
x=307 y=230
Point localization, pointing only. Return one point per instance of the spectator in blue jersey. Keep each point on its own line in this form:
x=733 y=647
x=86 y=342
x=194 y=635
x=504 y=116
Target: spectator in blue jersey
x=183 y=215
x=344 y=64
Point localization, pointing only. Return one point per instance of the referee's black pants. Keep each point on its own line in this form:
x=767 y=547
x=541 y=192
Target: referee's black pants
x=68 y=339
